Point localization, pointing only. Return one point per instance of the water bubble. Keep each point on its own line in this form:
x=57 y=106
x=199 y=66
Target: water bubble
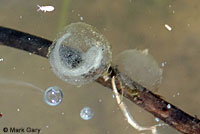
x=53 y=96
x=86 y=113
x=140 y=67
x=80 y=54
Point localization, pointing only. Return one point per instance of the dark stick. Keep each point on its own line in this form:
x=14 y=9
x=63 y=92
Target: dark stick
x=135 y=92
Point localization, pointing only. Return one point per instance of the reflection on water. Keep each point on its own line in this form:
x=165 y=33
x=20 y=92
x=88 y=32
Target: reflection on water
x=127 y=24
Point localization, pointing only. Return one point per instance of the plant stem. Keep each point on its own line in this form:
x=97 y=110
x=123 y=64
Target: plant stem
x=135 y=92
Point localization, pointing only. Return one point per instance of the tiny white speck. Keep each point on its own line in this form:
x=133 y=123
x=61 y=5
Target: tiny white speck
x=178 y=93
x=163 y=64
x=47 y=126
x=29 y=38
x=170 y=6
x=168 y=106
x=62 y=113
x=14 y=68
x=157 y=119
x=188 y=25
x=18 y=110
x=168 y=27
x=78 y=14
x=20 y=17
x=1 y=59
x=100 y=100
x=72 y=11
x=30 y=53
x=173 y=12
x=81 y=18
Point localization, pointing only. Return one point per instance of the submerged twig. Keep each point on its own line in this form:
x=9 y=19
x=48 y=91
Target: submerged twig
x=135 y=92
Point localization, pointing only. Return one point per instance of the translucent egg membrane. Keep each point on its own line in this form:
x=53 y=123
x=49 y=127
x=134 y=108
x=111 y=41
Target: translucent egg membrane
x=140 y=67
x=80 y=54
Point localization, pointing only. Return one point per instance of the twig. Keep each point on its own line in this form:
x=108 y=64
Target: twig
x=135 y=92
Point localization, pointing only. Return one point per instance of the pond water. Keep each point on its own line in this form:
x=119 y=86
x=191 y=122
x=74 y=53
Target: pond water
x=127 y=24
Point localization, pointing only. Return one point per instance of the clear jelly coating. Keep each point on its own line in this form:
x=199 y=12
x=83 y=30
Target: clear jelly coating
x=80 y=54
x=140 y=67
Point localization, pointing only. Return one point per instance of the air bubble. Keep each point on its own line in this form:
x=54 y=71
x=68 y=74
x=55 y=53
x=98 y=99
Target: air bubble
x=86 y=113
x=53 y=96
x=80 y=54
x=140 y=67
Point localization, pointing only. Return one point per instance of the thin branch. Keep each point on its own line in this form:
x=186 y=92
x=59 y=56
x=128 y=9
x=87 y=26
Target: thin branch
x=135 y=92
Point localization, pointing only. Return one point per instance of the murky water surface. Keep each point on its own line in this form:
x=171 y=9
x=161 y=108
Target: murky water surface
x=127 y=24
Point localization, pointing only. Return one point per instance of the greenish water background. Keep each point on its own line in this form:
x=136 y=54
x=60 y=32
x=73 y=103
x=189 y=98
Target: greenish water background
x=127 y=24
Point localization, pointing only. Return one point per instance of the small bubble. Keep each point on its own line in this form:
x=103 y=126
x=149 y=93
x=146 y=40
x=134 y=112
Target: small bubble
x=86 y=113
x=18 y=110
x=29 y=38
x=53 y=96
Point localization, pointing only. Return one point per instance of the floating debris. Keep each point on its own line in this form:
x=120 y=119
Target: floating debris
x=45 y=8
x=169 y=28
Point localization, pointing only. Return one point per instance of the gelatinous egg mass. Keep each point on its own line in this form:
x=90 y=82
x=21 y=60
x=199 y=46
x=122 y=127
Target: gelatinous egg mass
x=140 y=67
x=53 y=96
x=80 y=54
x=86 y=113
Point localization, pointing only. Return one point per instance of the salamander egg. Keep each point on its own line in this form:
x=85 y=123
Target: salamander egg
x=80 y=54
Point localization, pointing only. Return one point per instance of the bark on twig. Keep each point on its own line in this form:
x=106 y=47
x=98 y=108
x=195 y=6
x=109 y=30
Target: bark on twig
x=135 y=92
